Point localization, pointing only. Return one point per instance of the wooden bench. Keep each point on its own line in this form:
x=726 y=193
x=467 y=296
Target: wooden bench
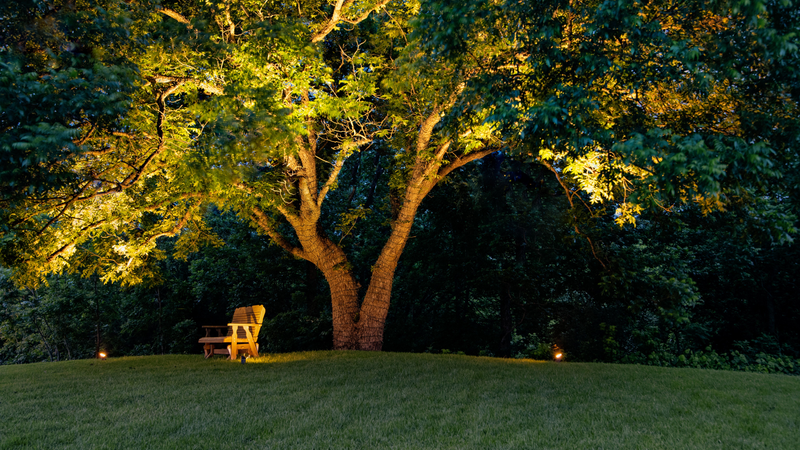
x=242 y=333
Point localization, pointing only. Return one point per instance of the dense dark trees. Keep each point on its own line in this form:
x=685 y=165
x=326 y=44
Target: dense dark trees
x=493 y=247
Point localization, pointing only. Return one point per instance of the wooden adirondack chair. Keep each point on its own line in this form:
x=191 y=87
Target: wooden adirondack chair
x=242 y=333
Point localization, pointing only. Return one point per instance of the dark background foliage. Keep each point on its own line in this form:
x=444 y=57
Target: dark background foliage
x=495 y=267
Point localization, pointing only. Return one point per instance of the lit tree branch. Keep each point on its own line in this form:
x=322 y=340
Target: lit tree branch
x=175 y=15
x=74 y=241
x=265 y=223
x=335 y=172
x=331 y=180
x=336 y=17
x=444 y=171
x=174 y=230
x=208 y=87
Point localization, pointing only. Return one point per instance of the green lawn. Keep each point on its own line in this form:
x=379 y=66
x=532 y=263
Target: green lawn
x=389 y=400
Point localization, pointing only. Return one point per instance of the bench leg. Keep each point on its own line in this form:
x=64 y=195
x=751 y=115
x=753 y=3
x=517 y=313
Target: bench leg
x=208 y=350
x=252 y=349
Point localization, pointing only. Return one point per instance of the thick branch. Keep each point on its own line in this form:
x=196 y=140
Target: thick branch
x=301 y=174
x=265 y=223
x=134 y=176
x=442 y=150
x=335 y=172
x=293 y=218
x=337 y=11
x=336 y=17
x=174 y=15
x=426 y=131
x=207 y=87
x=229 y=21
x=81 y=233
x=307 y=184
x=162 y=115
x=65 y=208
x=174 y=230
x=444 y=171
x=331 y=180
x=366 y=14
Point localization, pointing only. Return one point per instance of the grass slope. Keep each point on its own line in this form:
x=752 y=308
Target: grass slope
x=382 y=400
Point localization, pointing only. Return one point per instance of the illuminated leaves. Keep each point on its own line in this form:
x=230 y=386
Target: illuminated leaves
x=197 y=235
x=626 y=213
x=238 y=103
x=644 y=105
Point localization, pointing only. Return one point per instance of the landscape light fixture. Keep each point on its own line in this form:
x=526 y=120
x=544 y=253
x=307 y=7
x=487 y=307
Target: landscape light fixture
x=558 y=356
x=101 y=355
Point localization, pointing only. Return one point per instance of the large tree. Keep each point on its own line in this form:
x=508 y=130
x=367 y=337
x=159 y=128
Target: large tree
x=257 y=107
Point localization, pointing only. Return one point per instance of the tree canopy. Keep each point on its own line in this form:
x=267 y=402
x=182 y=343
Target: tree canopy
x=123 y=121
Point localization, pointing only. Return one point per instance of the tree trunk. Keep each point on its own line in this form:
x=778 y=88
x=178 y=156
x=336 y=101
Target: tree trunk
x=332 y=262
x=344 y=301
x=376 y=302
x=355 y=326
x=374 y=310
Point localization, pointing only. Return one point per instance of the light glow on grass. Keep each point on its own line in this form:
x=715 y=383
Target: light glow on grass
x=280 y=358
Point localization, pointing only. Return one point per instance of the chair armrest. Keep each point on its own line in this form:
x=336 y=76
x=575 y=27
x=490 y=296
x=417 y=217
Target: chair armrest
x=242 y=324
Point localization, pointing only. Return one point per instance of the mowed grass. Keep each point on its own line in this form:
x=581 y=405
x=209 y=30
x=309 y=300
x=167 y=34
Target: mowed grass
x=363 y=400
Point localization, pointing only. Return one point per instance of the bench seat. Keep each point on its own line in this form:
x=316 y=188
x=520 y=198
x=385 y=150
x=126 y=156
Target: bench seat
x=242 y=333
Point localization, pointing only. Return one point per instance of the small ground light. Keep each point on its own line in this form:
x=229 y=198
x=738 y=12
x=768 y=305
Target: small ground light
x=102 y=355
x=558 y=356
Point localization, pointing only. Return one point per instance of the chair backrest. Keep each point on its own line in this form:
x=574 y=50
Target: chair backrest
x=248 y=314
